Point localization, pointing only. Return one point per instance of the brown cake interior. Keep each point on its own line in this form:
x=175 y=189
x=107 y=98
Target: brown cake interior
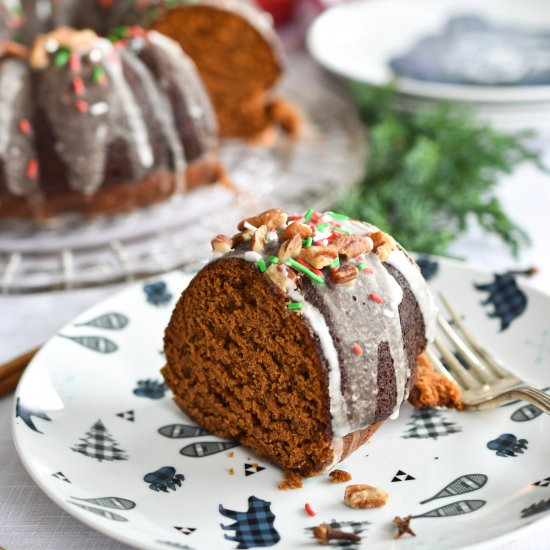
x=249 y=368
x=239 y=88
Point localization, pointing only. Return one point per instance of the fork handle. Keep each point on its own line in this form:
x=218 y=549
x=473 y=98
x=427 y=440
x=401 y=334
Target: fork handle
x=524 y=393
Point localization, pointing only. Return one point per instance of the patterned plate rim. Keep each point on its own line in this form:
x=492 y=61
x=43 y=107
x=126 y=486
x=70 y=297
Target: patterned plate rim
x=98 y=525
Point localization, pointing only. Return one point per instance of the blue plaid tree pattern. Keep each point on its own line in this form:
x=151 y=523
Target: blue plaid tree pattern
x=427 y=423
x=99 y=444
x=253 y=528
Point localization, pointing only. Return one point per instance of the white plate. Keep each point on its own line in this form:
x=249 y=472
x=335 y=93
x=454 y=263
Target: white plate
x=358 y=40
x=89 y=382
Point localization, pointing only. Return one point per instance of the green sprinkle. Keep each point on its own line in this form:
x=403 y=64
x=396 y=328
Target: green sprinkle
x=341 y=230
x=261 y=265
x=361 y=266
x=336 y=262
x=61 y=57
x=98 y=75
x=274 y=259
x=336 y=216
x=322 y=226
x=308 y=214
x=307 y=242
x=294 y=305
x=305 y=271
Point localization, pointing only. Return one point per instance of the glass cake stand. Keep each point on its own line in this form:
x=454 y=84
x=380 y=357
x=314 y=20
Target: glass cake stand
x=293 y=174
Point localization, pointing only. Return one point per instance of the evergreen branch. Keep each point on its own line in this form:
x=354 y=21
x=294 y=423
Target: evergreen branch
x=431 y=171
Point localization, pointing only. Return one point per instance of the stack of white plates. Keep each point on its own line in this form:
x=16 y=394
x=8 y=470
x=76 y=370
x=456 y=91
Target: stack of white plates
x=491 y=54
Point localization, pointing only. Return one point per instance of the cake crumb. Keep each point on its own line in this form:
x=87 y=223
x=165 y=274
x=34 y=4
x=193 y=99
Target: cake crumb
x=231 y=471
x=339 y=476
x=230 y=454
x=432 y=389
x=291 y=481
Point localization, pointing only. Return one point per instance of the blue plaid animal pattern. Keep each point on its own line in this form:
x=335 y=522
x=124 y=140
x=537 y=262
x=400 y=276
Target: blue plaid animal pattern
x=508 y=445
x=254 y=527
x=157 y=293
x=507 y=299
x=163 y=479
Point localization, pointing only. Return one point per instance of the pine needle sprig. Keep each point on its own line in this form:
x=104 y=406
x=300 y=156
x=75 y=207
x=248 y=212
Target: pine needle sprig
x=430 y=172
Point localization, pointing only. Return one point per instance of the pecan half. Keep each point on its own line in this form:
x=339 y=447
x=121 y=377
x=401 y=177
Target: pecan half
x=319 y=256
x=351 y=246
x=296 y=228
x=365 y=496
x=345 y=275
x=273 y=218
x=221 y=243
x=290 y=248
x=259 y=238
x=383 y=244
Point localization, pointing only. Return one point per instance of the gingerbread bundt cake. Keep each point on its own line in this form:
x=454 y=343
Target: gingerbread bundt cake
x=96 y=125
x=240 y=60
x=300 y=337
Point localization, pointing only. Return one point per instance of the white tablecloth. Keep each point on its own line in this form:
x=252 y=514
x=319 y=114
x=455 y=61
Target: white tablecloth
x=29 y=520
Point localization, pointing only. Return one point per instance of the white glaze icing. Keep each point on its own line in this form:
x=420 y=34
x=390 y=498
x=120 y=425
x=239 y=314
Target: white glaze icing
x=353 y=403
x=338 y=409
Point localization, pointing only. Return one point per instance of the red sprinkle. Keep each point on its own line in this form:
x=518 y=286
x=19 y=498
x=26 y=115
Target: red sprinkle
x=375 y=298
x=295 y=217
x=32 y=169
x=74 y=63
x=309 y=510
x=81 y=105
x=357 y=349
x=333 y=235
x=24 y=126
x=315 y=218
x=78 y=85
x=368 y=271
x=310 y=267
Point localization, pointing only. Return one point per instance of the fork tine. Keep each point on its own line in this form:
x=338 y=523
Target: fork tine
x=496 y=366
x=461 y=375
x=483 y=374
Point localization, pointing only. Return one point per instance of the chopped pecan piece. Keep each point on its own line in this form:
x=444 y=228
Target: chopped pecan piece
x=319 y=256
x=283 y=278
x=291 y=248
x=351 y=246
x=273 y=218
x=383 y=244
x=365 y=496
x=222 y=243
x=344 y=275
x=259 y=238
x=243 y=236
x=296 y=228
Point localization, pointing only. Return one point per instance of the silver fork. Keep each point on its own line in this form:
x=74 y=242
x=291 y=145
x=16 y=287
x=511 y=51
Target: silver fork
x=483 y=379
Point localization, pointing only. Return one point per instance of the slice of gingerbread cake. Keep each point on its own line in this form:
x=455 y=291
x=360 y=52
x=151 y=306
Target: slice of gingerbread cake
x=300 y=337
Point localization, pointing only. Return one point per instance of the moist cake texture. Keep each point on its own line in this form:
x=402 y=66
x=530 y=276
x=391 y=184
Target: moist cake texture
x=300 y=337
